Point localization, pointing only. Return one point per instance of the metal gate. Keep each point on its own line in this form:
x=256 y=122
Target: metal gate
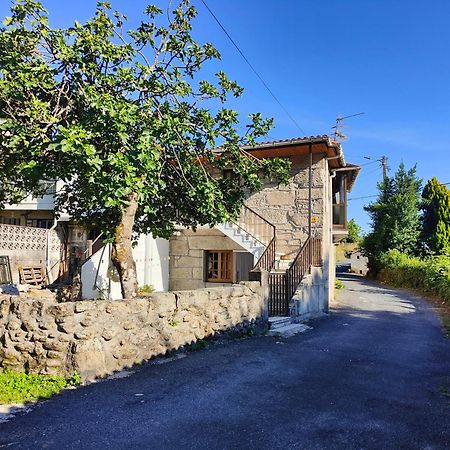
x=278 y=300
x=283 y=285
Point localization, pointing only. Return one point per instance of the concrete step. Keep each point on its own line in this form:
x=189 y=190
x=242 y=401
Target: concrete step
x=279 y=321
x=288 y=331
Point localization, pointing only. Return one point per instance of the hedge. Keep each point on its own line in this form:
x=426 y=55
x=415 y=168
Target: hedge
x=431 y=275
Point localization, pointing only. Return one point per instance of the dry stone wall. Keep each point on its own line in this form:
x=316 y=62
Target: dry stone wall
x=96 y=338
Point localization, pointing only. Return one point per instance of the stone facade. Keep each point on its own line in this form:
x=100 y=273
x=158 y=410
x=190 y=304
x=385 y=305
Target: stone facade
x=286 y=206
x=96 y=338
x=186 y=265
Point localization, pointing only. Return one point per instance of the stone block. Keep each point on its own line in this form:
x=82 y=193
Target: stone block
x=181 y=272
x=61 y=310
x=180 y=285
x=186 y=261
x=280 y=198
x=179 y=246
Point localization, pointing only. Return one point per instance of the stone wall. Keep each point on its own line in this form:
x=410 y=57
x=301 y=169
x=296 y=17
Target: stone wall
x=286 y=206
x=310 y=299
x=186 y=249
x=96 y=338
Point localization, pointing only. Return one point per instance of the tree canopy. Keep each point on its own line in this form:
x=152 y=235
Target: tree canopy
x=121 y=117
x=436 y=217
x=354 y=232
x=395 y=215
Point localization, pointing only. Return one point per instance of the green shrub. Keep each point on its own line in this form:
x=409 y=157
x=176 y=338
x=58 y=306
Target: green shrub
x=146 y=289
x=338 y=284
x=20 y=387
x=431 y=275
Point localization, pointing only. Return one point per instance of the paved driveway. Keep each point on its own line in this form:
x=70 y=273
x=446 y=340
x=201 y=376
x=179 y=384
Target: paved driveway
x=372 y=375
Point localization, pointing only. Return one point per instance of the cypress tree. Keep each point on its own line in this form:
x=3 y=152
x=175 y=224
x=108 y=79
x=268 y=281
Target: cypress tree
x=436 y=217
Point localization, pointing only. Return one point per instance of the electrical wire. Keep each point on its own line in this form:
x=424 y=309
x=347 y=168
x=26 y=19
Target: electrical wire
x=253 y=69
x=360 y=198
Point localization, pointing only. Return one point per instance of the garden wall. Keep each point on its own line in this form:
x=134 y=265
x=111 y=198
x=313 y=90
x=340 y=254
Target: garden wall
x=96 y=338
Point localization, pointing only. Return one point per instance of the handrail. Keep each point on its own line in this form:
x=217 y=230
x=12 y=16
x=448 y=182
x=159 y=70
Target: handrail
x=261 y=230
x=255 y=225
x=267 y=260
x=308 y=256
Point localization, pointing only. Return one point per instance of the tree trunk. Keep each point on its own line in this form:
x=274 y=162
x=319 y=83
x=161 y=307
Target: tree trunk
x=122 y=255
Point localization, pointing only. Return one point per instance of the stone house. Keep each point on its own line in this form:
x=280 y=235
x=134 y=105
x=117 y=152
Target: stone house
x=287 y=230
x=359 y=263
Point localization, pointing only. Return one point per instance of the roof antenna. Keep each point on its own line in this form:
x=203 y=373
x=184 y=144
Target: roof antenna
x=338 y=134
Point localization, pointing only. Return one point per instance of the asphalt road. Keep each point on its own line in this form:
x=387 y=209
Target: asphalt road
x=371 y=375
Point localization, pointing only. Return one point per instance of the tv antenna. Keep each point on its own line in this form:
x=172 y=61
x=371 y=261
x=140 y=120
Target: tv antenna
x=338 y=134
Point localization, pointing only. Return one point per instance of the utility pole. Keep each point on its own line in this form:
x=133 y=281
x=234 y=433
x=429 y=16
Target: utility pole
x=384 y=164
x=383 y=160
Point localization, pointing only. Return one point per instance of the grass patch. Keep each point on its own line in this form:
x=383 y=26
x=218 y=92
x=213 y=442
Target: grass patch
x=20 y=387
x=343 y=251
x=338 y=284
x=199 y=345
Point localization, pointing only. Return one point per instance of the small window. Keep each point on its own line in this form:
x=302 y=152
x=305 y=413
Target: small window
x=40 y=223
x=10 y=220
x=219 y=266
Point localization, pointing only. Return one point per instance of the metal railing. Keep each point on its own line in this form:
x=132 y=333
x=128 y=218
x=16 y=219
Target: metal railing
x=284 y=285
x=261 y=230
x=251 y=223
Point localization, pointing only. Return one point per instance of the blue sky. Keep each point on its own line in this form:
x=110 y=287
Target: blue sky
x=330 y=57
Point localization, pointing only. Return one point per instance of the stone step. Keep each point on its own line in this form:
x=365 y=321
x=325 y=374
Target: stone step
x=279 y=321
x=282 y=264
x=288 y=331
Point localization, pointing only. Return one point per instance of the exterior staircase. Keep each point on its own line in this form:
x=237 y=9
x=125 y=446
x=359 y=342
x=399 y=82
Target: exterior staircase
x=257 y=235
x=250 y=243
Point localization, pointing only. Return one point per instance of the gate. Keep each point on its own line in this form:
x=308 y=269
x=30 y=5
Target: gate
x=283 y=285
x=278 y=299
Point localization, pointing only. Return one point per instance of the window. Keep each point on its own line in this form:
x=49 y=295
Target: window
x=10 y=220
x=40 y=223
x=49 y=186
x=219 y=266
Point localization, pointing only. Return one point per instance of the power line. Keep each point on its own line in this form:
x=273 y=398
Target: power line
x=360 y=198
x=253 y=69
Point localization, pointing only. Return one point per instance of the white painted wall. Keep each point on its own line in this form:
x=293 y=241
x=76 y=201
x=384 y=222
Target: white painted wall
x=100 y=280
x=359 y=263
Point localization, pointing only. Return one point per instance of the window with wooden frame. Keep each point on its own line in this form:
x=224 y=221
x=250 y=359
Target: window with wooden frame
x=219 y=266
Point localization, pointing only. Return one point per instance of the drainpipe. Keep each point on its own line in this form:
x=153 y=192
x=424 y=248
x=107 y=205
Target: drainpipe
x=310 y=190
x=47 y=252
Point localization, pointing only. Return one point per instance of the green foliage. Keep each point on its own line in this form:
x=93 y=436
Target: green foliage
x=198 y=345
x=146 y=289
x=19 y=387
x=436 y=217
x=394 y=216
x=119 y=114
x=173 y=323
x=354 y=232
x=431 y=275
x=338 y=284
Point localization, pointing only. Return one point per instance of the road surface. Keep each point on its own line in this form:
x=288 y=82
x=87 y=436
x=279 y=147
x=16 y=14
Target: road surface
x=374 y=374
